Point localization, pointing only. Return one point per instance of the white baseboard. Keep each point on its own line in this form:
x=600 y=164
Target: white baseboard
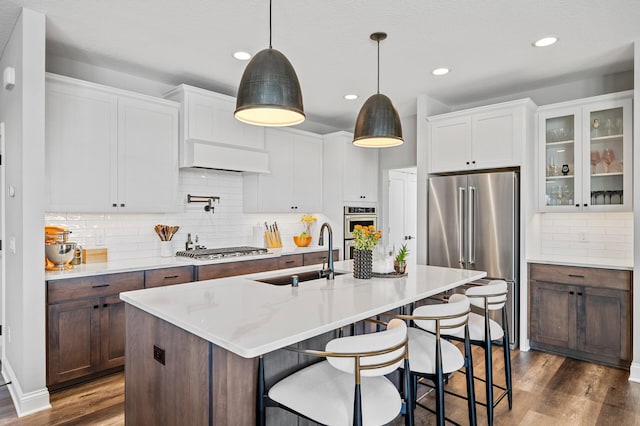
x=634 y=372
x=24 y=403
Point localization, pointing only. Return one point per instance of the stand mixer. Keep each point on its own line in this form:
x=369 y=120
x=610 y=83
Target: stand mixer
x=58 y=251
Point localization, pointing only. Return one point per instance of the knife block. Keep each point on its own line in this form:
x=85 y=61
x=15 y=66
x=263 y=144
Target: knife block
x=273 y=239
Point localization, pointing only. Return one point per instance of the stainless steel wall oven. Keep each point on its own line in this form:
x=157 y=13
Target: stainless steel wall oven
x=353 y=216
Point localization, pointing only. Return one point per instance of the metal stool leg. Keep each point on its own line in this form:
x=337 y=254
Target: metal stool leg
x=507 y=358
x=471 y=397
x=488 y=360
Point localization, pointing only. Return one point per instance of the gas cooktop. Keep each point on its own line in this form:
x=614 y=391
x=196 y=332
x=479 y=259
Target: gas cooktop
x=219 y=253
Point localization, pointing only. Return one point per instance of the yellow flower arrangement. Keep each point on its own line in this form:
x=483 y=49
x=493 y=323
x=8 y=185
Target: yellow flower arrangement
x=308 y=221
x=366 y=237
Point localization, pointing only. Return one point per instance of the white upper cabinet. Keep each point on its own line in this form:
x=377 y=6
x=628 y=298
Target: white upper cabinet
x=351 y=172
x=108 y=150
x=585 y=154
x=210 y=135
x=480 y=138
x=360 y=173
x=294 y=183
x=147 y=155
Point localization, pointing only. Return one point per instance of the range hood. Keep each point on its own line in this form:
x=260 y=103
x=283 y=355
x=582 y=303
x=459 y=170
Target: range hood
x=211 y=155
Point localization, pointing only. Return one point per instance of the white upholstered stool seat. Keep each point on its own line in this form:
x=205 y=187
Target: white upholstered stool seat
x=422 y=353
x=489 y=297
x=349 y=387
x=325 y=394
x=433 y=357
x=476 y=329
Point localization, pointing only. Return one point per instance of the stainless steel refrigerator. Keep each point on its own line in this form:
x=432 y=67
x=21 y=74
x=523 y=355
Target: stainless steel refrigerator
x=473 y=224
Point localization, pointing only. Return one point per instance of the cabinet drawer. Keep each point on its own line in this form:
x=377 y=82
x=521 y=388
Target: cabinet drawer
x=221 y=270
x=318 y=257
x=290 y=261
x=95 y=286
x=576 y=275
x=168 y=276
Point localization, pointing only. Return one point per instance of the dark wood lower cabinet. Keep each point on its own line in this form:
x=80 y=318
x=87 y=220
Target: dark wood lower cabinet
x=583 y=313
x=86 y=337
x=74 y=340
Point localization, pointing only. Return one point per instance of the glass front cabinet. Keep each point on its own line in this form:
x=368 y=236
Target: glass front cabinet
x=585 y=154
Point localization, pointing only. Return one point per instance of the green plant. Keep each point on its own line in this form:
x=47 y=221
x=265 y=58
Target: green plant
x=402 y=254
x=366 y=237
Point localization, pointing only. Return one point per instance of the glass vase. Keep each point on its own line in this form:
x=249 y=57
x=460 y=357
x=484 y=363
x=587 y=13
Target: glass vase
x=362 y=264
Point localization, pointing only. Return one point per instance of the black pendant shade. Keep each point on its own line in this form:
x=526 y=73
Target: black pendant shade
x=378 y=124
x=269 y=93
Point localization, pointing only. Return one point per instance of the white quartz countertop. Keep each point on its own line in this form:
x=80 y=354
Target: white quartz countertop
x=608 y=263
x=251 y=318
x=112 y=267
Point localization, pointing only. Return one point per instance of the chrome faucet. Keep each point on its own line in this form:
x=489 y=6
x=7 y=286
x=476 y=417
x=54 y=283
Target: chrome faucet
x=329 y=272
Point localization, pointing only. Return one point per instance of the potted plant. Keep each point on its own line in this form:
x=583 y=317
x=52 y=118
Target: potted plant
x=365 y=239
x=400 y=262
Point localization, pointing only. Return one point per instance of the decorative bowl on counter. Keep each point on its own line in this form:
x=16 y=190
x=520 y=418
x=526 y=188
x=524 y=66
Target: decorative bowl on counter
x=302 y=241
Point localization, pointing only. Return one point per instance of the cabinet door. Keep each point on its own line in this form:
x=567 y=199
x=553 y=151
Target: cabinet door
x=607 y=181
x=360 y=174
x=606 y=329
x=561 y=165
x=496 y=139
x=73 y=348
x=147 y=156
x=553 y=318
x=274 y=189
x=80 y=147
x=450 y=144
x=112 y=329
x=306 y=176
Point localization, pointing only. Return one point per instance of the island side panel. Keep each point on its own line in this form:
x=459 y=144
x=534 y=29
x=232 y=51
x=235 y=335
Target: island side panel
x=176 y=393
x=234 y=388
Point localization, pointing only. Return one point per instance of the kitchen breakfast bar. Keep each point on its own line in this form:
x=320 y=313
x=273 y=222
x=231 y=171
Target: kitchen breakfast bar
x=192 y=349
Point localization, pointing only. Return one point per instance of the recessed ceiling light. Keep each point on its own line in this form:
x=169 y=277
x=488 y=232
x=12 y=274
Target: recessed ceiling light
x=440 y=71
x=350 y=97
x=546 y=41
x=242 y=56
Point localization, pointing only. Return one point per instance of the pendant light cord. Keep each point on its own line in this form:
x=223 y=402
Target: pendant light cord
x=270 y=1
x=378 y=66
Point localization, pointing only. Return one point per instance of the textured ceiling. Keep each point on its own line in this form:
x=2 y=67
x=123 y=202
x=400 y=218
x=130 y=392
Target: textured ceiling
x=486 y=43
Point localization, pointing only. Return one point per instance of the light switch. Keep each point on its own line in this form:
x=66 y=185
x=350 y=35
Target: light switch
x=12 y=244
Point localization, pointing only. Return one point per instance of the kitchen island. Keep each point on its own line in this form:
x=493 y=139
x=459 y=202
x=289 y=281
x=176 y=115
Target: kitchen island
x=192 y=349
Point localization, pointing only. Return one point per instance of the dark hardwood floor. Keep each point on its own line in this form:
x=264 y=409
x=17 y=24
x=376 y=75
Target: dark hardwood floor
x=548 y=390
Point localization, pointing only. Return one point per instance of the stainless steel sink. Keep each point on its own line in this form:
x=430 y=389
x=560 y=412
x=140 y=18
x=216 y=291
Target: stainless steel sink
x=302 y=276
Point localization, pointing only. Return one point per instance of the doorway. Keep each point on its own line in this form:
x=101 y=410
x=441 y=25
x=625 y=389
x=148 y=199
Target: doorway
x=402 y=209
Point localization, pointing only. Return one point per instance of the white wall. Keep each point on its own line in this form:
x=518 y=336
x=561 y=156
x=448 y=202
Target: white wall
x=131 y=236
x=22 y=110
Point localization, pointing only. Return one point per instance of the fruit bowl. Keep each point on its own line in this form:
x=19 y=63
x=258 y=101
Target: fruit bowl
x=302 y=241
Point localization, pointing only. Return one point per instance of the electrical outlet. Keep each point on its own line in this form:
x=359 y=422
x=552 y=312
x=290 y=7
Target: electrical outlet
x=158 y=354
x=582 y=237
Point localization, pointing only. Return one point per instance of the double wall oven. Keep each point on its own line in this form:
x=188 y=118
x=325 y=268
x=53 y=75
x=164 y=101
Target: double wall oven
x=353 y=216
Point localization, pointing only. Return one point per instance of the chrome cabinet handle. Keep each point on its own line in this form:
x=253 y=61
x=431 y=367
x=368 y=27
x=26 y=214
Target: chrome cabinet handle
x=472 y=225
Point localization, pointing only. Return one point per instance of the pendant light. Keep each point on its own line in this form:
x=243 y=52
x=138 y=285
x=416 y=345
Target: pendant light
x=378 y=123
x=269 y=93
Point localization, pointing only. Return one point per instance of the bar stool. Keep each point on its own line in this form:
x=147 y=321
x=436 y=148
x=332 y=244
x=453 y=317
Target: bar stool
x=484 y=332
x=348 y=387
x=432 y=357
